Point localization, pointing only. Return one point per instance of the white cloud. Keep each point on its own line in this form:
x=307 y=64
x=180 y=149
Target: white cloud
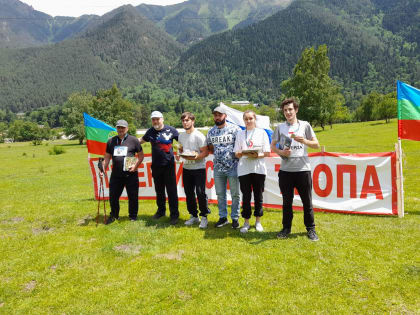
x=80 y=7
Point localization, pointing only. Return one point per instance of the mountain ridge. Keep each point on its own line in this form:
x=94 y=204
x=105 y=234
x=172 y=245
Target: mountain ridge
x=193 y=20
x=125 y=49
x=255 y=60
x=22 y=26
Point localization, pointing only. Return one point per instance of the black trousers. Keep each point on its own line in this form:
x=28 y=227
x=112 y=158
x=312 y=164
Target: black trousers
x=195 y=183
x=302 y=181
x=252 y=183
x=164 y=177
x=116 y=187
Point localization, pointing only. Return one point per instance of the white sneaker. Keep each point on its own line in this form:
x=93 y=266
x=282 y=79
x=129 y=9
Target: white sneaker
x=192 y=220
x=204 y=222
x=259 y=227
x=245 y=228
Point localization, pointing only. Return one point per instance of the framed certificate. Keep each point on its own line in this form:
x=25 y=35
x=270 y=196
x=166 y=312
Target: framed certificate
x=129 y=161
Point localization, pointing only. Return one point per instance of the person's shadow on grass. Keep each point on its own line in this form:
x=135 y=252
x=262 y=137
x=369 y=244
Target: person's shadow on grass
x=160 y=223
x=252 y=236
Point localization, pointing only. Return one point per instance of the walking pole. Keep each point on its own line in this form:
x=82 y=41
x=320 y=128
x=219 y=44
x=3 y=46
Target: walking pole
x=101 y=191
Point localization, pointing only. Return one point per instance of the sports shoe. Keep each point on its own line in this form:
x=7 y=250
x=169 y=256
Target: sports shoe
x=312 y=235
x=192 y=220
x=222 y=222
x=245 y=228
x=132 y=219
x=158 y=215
x=109 y=220
x=283 y=233
x=259 y=227
x=173 y=221
x=235 y=224
x=204 y=222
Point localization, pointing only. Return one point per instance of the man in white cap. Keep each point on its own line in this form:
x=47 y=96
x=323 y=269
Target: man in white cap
x=122 y=150
x=163 y=165
x=221 y=141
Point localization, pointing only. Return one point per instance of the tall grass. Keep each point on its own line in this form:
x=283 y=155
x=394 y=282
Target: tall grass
x=50 y=264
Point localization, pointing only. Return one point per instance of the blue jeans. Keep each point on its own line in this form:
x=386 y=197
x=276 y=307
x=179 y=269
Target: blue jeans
x=220 y=183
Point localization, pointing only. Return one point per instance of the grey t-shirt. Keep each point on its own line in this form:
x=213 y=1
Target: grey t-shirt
x=298 y=161
x=192 y=142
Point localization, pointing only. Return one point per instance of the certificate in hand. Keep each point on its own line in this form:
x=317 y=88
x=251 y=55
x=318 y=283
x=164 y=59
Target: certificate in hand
x=248 y=151
x=188 y=154
x=129 y=161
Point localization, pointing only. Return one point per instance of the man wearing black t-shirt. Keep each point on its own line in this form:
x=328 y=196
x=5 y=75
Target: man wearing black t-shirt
x=163 y=165
x=124 y=174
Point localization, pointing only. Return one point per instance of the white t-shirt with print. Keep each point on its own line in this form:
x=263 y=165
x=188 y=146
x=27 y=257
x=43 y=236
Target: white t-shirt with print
x=223 y=141
x=298 y=160
x=192 y=142
x=252 y=139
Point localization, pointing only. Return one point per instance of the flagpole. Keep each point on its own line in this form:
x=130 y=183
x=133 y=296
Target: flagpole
x=400 y=180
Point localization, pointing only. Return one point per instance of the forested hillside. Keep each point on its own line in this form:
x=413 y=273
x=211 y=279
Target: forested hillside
x=251 y=63
x=125 y=49
x=371 y=44
x=193 y=20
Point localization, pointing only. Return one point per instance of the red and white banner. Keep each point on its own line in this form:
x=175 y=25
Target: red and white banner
x=347 y=183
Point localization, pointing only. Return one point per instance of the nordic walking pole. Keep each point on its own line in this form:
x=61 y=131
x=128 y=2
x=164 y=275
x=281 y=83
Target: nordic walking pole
x=101 y=190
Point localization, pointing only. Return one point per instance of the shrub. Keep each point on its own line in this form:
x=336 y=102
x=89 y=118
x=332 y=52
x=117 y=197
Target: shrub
x=56 y=150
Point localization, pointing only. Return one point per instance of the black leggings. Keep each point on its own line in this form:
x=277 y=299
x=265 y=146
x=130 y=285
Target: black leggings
x=252 y=183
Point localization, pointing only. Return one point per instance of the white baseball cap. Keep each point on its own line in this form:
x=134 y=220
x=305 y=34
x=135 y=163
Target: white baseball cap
x=219 y=109
x=156 y=114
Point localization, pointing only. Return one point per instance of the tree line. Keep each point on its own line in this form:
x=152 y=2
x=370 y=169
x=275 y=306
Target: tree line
x=321 y=103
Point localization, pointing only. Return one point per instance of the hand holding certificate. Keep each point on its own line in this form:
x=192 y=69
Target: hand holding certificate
x=252 y=153
x=189 y=155
x=129 y=163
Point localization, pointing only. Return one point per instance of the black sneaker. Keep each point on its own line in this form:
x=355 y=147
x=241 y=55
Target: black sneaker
x=158 y=215
x=312 y=235
x=235 y=224
x=173 y=221
x=283 y=233
x=133 y=219
x=109 y=220
x=222 y=222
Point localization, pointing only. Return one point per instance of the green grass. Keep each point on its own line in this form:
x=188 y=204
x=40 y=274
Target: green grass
x=51 y=265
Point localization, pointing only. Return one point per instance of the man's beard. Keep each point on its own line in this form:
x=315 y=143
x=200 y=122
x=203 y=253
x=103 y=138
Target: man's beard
x=188 y=128
x=157 y=127
x=219 y=123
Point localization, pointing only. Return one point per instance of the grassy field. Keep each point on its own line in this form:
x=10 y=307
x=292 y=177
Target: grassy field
x=54 y=260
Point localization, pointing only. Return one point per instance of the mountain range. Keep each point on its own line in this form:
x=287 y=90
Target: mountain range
x=186 y=22
x=369 y=50
x=21 y=26
x=125 y=48
x=194 y=20
x=215 y=49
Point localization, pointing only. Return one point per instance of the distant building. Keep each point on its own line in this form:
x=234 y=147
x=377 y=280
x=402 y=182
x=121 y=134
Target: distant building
x=240 y=103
